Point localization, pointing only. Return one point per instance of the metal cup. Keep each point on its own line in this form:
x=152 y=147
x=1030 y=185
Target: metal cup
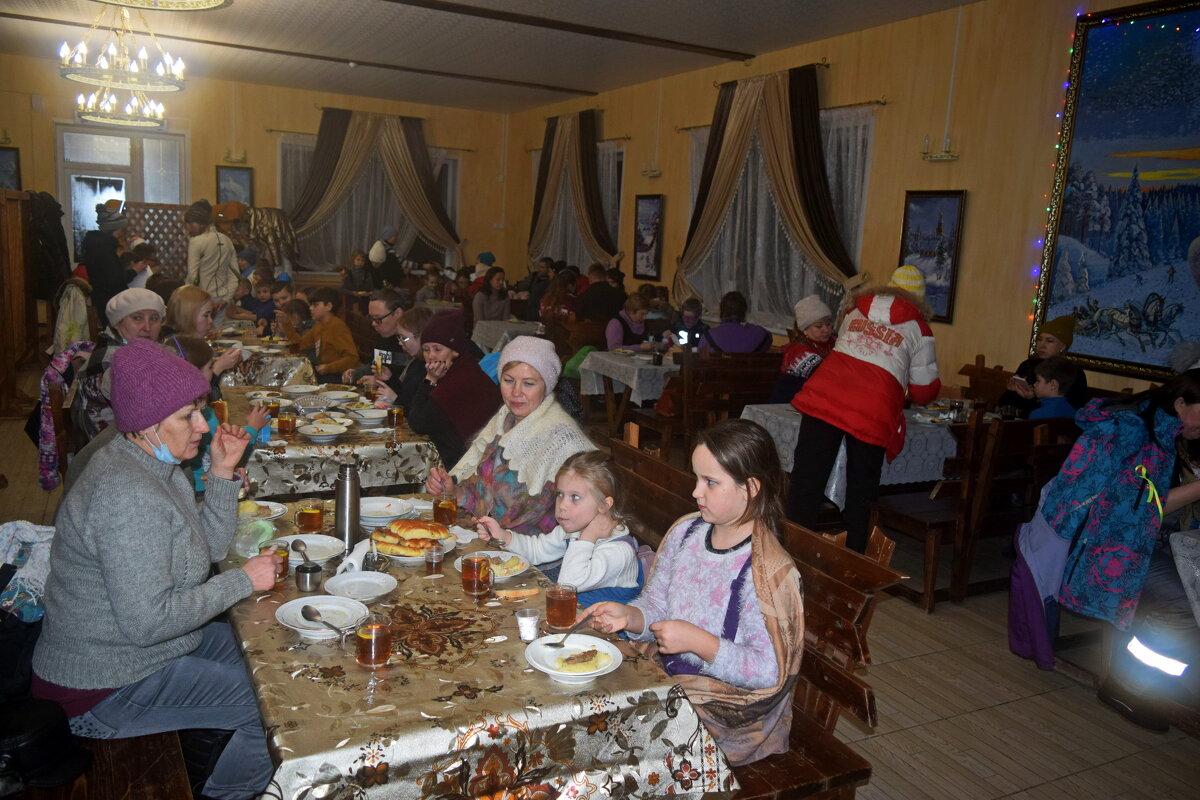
x=308 y=577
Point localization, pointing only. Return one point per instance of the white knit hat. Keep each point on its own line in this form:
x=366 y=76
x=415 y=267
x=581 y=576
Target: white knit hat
x=378 y=253
x=810 y=310
x=132 y=300
x=537 y=353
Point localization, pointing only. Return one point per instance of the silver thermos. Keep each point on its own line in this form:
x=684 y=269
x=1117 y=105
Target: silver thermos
x=346 y=493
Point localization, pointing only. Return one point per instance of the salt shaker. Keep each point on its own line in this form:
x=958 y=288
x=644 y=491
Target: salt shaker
x=346 y=496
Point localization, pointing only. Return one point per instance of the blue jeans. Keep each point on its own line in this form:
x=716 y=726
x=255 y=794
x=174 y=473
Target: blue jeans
x=208 y=688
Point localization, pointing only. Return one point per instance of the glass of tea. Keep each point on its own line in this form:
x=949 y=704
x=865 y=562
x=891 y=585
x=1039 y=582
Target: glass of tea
x=281 y=569
x=395 y=416
x=561 y=599
x=445 y=508
x=373 y=641
x=271 y=406
x=287 y=422
x=476 y=575
x=310 y=516
x=434 y=554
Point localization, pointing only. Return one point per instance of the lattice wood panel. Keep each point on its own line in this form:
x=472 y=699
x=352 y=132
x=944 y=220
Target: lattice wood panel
x=162 y=226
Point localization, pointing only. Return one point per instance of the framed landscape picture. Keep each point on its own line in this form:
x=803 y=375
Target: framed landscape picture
x=647 y=237
x=1122 y=249
x=235 y=184
x=10 y=168
x=930 y=240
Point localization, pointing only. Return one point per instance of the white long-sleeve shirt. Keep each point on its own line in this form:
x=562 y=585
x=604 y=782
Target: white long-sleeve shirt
x=585 y=565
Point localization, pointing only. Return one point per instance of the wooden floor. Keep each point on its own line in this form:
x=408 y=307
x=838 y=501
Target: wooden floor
x=960 y=716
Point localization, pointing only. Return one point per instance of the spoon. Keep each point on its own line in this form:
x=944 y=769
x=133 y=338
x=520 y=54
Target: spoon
x=300 y=547
x=311 y=614
x=559 y=643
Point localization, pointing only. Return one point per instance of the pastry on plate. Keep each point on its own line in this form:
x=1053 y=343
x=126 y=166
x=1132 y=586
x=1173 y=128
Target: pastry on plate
x=412 y=529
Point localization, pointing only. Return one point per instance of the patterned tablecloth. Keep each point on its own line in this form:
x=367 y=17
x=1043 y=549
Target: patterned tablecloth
x=461 y=714
x=386 y=456
x=275 y=365
x=645 y=380
x=926 y=448
x=492 y=335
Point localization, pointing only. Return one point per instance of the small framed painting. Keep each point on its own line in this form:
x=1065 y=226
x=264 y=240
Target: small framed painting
x=930 y=240
x=10 y=168
x=647 y=237
x=235 y=184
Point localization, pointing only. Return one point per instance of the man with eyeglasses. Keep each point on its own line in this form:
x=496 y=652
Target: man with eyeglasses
x=385 y=312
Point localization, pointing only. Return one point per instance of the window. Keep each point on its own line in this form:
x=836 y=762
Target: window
x=126 y=165
x=367 y=209
x=753 y=253
x=564 y=242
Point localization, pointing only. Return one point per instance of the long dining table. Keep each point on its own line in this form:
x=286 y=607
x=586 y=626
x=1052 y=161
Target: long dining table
x=288 y=465
x=460 y=712
x=265 y=362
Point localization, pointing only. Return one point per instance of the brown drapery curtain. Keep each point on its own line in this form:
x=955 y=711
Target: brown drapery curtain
x=784 y=108
x=569 y=146
x=331 y=134
x=401 y=146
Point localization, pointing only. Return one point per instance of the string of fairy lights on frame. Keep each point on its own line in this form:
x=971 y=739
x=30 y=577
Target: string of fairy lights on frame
x=121 y=71
x=1045 y=244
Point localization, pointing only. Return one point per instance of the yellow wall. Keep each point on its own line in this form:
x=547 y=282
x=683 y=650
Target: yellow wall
x=210 y=111
x=1013 y=56
x=1011 y=63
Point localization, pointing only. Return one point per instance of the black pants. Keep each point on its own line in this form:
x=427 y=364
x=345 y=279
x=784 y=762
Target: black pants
x=816 y=450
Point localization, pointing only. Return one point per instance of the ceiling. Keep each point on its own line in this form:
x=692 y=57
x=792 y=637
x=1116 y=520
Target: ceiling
x=491 y=55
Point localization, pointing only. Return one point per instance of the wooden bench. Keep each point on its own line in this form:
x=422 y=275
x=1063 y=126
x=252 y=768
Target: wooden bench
x=712 y=388
x=840 y=592
x=141 y=768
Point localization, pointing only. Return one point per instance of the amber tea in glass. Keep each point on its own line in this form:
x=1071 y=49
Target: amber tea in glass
x=287 y=423
x=395 y=416
x=310 y=518
x=445 y=511
x=281 y=569
x=373 y=641
x=561 y=600
x=476 y=575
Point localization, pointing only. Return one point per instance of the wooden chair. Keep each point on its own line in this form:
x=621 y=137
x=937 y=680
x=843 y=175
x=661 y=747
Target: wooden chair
x=581 y=333
x=147 y=767
x=986 y=384
x=1007 y=486
x=935 y=517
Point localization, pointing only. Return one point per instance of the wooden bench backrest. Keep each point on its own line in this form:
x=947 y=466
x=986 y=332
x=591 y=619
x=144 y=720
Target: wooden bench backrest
x=581 y=333
x=985 y=384
x=840 y=587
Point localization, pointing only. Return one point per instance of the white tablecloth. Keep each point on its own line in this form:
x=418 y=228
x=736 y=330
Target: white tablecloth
x=492 y=335
x=926 y=448
x=645 y=380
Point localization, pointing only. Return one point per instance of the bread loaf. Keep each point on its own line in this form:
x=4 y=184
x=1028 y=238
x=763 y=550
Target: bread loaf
x=410 y=548
x=417 y=529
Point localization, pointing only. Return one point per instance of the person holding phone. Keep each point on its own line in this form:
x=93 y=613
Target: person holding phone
x=688 y=325
x=1054 y=339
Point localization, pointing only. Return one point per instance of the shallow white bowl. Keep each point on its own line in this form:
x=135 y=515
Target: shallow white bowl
x=370 y=417
x=542 y=658
x=322 y=434
x=297 y=389
x=341 y=612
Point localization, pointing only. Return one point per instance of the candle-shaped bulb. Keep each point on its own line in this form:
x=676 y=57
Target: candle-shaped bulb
x=133 y=67
x=142 y=55
x=64 y=53
x=179 y=68
x=159 y=69
x=102 y=62
x=112 y=49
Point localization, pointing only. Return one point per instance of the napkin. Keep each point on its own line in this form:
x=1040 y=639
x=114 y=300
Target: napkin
x=353 y=561
x=463 y=535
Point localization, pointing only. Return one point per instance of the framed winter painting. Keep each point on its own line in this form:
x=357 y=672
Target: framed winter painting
x=1122 y=250
x=930 y=240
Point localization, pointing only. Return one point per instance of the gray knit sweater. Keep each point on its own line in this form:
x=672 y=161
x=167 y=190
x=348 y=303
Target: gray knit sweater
x=129 y=584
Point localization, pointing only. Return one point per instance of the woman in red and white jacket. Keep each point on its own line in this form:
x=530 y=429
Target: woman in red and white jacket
x=884 y=348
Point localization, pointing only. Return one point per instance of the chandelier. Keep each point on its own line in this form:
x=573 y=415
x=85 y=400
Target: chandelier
x=120 y=65
x=171 y=5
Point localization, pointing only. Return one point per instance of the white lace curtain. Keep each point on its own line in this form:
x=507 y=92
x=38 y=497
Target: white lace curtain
x=565 y=242
x=369 y=207
x=753 y=253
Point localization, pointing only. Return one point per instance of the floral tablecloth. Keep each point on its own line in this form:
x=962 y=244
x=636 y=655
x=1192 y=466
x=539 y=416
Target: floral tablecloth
x=645 y=380
x=276 y=367
x=492 y=335
x=385 y=456
x=926 y=448
x=461 y=714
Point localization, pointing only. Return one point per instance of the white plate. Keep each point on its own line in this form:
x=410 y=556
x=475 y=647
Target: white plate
x=283 y=401
x=344 y=422
x=339 y=415
x=383 y=508
x=422 y=505
x=644 y=357
x=300 y=388
x=321 y=547
x=340 y=396
x=341 y=612
x=448 y=545
x=365 y=587
x=542 y=658
x=265 y=393
x=277 y=510
x=522 y=568
x=370 y=417
x=229 y=342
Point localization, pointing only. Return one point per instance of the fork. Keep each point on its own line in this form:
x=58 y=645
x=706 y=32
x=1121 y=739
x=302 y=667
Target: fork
x=574 y=628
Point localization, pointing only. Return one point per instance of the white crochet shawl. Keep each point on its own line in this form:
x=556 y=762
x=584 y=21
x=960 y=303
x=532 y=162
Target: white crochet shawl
x=535 y=448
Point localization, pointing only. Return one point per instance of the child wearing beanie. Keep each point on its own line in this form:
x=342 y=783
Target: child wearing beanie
x=814 y=321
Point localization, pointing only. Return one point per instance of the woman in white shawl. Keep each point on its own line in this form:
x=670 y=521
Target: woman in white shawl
x=508 y=470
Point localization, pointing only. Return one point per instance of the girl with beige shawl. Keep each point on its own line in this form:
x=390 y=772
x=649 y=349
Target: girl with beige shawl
x=723 y=608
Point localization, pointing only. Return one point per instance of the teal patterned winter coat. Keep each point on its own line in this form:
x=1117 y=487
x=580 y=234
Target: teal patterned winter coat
x=1102 y=505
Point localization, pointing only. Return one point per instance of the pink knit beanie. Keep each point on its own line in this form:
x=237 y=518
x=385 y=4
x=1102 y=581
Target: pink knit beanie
x=537 y=353
x=149 y=384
